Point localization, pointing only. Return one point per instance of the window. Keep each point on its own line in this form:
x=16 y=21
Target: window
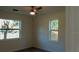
x=9 y=29
x=53 y=29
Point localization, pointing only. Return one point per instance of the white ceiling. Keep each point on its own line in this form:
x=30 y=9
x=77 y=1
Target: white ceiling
x=26 y=9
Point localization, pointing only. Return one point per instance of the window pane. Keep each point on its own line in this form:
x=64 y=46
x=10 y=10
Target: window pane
x=14 y=24
x=54 y=35
x=9 y=24
x=12 y=34
x=1 y=34
x=54 y=25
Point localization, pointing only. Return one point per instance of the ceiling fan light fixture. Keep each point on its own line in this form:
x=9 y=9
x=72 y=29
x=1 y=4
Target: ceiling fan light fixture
x=34 y=10
x=32 y=13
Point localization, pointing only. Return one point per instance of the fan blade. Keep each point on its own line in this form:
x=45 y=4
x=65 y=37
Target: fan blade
x=38 y=8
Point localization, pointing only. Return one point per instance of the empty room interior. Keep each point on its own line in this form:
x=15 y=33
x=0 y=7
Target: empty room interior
x=39 y=29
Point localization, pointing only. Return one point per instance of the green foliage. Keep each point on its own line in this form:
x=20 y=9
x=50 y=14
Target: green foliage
x=54 y=25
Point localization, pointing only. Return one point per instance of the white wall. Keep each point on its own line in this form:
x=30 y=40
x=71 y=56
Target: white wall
x=26 y=39
x=34 y=32
x=41 y=34
x=72 y=29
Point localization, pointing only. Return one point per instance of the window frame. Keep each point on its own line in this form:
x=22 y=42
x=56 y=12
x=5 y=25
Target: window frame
x=5 y=34
x=50 y=30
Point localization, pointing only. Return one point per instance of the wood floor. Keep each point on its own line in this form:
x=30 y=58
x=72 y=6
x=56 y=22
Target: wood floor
x=32 y=49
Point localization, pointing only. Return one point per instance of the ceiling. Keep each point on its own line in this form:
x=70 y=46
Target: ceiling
x=26 y=9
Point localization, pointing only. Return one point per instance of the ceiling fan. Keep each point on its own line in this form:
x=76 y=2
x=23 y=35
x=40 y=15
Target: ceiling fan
x=34 y=10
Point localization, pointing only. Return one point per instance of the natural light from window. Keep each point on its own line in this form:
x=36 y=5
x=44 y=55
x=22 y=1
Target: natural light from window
x=53 y=29
x=9 y=29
